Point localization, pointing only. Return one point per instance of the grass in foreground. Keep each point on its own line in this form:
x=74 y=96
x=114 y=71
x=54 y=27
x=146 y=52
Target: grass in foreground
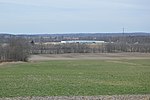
x=85 y=77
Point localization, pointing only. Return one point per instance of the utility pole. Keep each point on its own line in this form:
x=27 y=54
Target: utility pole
x=123 y=30
x=123 y=35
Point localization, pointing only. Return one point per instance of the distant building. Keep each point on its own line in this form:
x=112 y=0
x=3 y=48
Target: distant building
x=84 y=41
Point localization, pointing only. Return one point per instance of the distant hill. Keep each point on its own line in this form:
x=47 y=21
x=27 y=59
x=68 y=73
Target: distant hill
x=76 y=34
x=4 y=37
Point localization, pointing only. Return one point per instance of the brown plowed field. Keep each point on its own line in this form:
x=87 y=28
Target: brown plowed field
x=90 y=56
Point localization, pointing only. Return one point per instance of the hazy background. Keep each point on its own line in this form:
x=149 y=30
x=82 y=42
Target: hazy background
x=65 y=16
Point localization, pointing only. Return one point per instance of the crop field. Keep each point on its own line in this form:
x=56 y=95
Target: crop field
x=75 y=78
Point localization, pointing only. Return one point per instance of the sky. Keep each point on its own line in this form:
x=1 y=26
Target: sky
x=74 y=16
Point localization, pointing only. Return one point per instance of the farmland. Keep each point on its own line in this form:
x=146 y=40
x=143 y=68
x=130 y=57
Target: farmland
x=80 y=77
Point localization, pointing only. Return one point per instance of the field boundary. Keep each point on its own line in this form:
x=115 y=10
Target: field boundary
x=102 y=97
x=89 y=56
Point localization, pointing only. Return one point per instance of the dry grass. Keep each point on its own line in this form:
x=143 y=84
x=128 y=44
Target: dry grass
x=90 y=56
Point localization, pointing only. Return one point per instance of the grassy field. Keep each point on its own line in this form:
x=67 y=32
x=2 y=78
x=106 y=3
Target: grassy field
x=75 y=78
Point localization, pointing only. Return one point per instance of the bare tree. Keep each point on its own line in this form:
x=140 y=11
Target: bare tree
x=17 y=49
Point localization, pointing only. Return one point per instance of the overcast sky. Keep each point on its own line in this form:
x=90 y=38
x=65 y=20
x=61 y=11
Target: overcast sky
x=66 y=16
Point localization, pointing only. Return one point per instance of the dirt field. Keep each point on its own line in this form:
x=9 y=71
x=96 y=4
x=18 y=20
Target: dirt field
x=90 y=56
x=2 y=64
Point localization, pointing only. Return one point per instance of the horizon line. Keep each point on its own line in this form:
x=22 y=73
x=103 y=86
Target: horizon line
x=20 y=33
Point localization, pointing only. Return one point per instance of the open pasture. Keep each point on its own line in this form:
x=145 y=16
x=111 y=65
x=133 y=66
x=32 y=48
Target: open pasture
x=81 y=77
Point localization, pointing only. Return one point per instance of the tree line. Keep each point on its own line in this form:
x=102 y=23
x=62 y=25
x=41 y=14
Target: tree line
x=15 y=49
x=20 y=48
x=89 y=48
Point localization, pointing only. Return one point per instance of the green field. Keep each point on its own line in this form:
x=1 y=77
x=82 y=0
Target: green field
x=75 y=78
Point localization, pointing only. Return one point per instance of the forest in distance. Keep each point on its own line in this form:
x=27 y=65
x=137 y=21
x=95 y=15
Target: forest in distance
x=20 y=47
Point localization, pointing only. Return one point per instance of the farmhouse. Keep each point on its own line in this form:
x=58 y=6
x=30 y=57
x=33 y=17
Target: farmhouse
x=84 y=41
